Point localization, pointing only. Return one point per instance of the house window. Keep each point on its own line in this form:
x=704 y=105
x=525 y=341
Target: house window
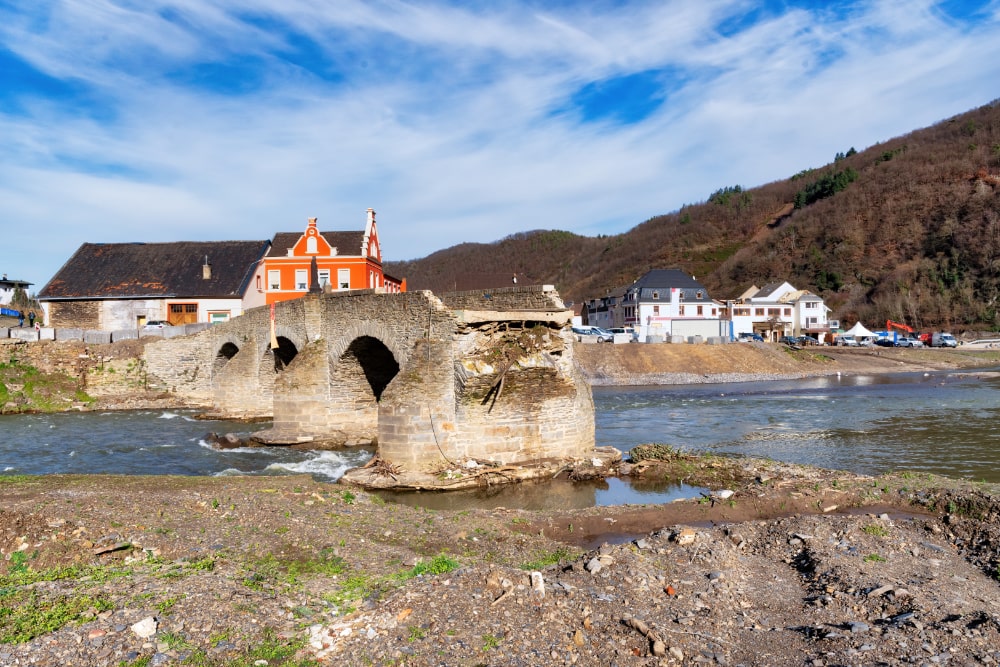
x=680 y=310
x=788 y=312
x=680 y=295
x=311 y=245
x=714 y=312
x=656 y=310
x=810 y=304
x=258 y=282
x=274 y=279
x=700 y=310
x=324 y=277
x=656 y=295
x=758 y=312
x=343 y=279
x=773 y=312
x=699 y=295
x=301 y=278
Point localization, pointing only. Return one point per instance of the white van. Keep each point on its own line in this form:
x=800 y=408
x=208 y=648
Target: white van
x=941 y=339
x=847 y=340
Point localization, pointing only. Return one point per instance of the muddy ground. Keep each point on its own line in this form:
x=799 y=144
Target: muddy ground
x=797 y=566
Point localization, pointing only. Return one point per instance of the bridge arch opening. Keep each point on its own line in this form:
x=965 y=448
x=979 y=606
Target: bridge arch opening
x=284 y=353
x=225 y=355
x=375 y=360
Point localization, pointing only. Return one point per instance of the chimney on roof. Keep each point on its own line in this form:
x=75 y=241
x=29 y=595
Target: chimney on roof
x=206 y=269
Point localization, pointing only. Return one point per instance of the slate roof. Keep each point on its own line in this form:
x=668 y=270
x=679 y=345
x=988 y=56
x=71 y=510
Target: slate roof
x=663 y=280
x=11 y=282
x=346 y=243
x=768 y=290
x=133 y=270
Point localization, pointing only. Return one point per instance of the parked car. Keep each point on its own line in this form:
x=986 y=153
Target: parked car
x=632 y=333
x=789 y=340
x=847 y=340
x=746 y=337
x=153 y=325
x=603 y=335
x=906 y=341
x=884 y=342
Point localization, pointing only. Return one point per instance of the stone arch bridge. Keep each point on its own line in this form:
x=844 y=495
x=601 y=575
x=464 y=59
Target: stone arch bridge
x=431 y=380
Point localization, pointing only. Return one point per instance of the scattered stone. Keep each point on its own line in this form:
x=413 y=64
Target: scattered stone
x=145 y=628
x=858 y=627
x=685 y=536
x=538 y=584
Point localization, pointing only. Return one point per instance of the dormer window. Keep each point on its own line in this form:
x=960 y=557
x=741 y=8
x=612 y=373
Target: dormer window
x=700 y=295
x=656 y=295
x=680 y=295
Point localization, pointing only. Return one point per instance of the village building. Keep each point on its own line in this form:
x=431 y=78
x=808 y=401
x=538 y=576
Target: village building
x=118 y=286
x=8 y=287
x=778 y=309
x=345 y=260
x=661 y=305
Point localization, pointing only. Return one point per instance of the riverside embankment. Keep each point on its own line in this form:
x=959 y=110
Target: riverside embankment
x=52 y=376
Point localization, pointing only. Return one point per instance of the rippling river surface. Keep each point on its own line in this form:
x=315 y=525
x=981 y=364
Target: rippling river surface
x=940 y=422
x=945 y=423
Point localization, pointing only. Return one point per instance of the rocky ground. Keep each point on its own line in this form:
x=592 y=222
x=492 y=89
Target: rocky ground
x=796 y=566
x=778 y=565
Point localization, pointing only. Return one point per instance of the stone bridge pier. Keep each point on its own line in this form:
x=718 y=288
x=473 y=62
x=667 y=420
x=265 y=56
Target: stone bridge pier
x=432 y=381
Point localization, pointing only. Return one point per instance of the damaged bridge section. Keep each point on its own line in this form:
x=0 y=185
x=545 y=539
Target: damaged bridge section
x=432 y=381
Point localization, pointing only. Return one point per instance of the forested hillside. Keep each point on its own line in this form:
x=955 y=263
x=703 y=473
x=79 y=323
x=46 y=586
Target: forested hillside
x=906 y=230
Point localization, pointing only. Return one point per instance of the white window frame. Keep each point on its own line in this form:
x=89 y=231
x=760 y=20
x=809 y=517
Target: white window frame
x=274 y=279
x=343 y=279
x=301 y=279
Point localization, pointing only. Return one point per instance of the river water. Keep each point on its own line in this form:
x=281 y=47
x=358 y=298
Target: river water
x=941 y=423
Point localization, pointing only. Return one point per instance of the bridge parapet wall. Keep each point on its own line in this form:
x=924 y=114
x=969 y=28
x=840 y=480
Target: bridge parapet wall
x=527 y=297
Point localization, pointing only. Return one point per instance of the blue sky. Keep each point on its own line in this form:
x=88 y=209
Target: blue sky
x=168 y=120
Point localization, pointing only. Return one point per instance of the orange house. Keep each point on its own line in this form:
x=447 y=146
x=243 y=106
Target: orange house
x=345 y=261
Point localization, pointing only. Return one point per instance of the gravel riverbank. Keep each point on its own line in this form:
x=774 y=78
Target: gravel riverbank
x=795 y=566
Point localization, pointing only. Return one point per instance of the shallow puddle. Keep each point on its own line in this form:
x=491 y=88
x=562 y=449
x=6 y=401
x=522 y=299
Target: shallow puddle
x=550 y=495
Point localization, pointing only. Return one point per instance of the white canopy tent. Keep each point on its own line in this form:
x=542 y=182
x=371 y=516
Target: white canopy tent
x=859 y=331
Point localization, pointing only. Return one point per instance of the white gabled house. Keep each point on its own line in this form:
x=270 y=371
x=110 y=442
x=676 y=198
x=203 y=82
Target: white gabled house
x=661 y=304
x=778 y=309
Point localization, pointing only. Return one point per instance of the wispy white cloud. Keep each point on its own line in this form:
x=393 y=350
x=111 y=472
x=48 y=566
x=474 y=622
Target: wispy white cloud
x=223 y=119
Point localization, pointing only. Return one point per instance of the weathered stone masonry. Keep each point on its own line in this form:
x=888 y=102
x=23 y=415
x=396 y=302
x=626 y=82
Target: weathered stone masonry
x=432 y=381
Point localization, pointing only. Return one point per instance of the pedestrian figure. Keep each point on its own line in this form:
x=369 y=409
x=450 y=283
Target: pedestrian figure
x=20 y=319
x=31 y=318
